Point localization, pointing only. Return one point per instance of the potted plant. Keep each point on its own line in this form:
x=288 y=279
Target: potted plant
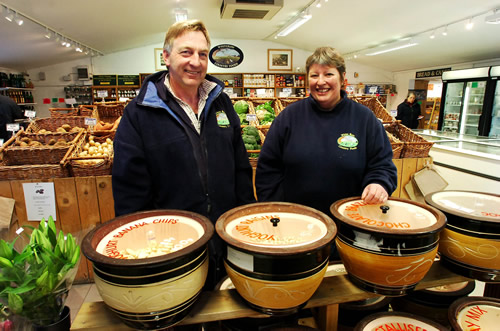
x=35 y=279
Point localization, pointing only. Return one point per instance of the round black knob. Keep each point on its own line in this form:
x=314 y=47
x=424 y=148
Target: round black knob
x=384 y=209
x=275 y=221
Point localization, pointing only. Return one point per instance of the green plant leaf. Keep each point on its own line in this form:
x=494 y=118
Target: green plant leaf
x=15 y=303
x=52 y=231
x=6 y=250
x=5 y=263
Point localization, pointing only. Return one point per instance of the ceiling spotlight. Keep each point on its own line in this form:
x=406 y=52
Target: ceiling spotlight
x=19 y=20
x=433 y=35
x=180 y=14
x=301 y=19
x=445 y=31
x=9 y=16
x=48 y=34
x=493 y=19
x=469 y=24
x=318 y=5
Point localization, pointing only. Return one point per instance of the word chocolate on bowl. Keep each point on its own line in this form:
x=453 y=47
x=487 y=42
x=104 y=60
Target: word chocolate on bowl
x=387 y=249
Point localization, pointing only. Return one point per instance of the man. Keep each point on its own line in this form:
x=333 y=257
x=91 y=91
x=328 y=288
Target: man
x=179 y=145
x=9 y=111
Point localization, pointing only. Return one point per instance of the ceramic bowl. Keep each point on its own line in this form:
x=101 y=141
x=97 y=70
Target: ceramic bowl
x=475 y=313
x=470 y=243
x=387 y=249
x=150 y=292
x=397 y=321
x=277 y=253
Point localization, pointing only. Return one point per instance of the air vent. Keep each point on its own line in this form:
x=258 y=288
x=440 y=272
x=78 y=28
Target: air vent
x=245 y=13
x=250 y=9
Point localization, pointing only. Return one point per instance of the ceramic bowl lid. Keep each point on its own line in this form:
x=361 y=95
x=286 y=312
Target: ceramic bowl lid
x=472 y=205
x=150 y=236
x=475 y=313
x=158 y=234
x=397 y=321
x=394 y=216
x=274 y=226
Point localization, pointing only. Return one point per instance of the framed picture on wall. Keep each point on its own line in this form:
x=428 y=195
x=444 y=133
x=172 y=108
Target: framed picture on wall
x=279 y=59
x=159 y=63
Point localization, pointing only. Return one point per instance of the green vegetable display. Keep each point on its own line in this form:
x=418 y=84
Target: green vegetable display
x=265 y=113
x=34 y=283
x=251 y=138
x=241 y=108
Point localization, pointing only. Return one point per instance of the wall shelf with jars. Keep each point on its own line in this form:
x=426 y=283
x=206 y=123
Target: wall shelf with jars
x=263 y=84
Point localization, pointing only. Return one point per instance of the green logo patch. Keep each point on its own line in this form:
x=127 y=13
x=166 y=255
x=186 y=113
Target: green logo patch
x=222 y=119
x=348 y=141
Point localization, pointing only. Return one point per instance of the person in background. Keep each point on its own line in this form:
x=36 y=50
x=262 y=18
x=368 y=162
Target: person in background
x=9 y=111
x=409 y=112
x=325 y=147
x=179 y=144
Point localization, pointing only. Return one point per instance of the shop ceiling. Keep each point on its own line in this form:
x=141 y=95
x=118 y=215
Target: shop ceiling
x=350 y=26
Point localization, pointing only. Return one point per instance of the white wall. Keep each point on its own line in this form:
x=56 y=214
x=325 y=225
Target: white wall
x=142 y=60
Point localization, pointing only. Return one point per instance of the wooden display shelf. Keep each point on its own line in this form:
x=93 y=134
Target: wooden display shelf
x=227 y=304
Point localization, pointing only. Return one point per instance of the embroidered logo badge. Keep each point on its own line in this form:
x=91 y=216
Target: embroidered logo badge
x=348 y=141
x=222 y=119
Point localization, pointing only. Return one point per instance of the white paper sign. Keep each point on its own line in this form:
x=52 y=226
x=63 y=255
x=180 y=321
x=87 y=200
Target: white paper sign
x=1 y=142
x=373 y=89
x=251 y=117
x=30 y=113
x=90 y=121
x=40 y=201
x=102 y=93
x=261 y=92
x=70 y=101
x=123 y=99
x=13 y=127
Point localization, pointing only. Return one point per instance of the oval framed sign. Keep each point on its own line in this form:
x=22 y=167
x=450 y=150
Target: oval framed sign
x=226 y=56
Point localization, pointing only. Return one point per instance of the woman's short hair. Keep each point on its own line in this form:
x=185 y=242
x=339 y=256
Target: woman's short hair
x=327 y=56
x=179 y=28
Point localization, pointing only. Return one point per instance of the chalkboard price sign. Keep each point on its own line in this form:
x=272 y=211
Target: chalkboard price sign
x=104 y=80
x=127 y=80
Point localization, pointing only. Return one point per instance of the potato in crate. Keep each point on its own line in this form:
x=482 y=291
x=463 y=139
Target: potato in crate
x=37 y=149
x=92 y=156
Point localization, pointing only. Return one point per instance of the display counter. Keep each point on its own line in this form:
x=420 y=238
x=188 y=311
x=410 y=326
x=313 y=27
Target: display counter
x=466 y=162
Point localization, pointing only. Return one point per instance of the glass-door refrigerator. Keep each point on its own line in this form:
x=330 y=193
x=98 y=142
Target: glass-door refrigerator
x=463 y=97
x=495 y=110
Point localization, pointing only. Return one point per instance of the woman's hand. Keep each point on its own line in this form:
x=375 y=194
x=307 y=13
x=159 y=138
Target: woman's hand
x=374 y=194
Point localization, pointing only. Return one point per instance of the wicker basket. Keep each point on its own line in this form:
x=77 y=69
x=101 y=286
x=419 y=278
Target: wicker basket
x=87 y=110
x=251 y=110
x=253 y=160
x=378 y=109
x=89 y=165
x=414 y=145
x=24 y=172
x=42 y=154
x=259 y=101
x=285 y=102
x=63 y=112
x=52 y=123
x=396 y=144
x=109 y=112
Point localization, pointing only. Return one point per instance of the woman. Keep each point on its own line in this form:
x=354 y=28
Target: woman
x=325 y=147
x=409 y=112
